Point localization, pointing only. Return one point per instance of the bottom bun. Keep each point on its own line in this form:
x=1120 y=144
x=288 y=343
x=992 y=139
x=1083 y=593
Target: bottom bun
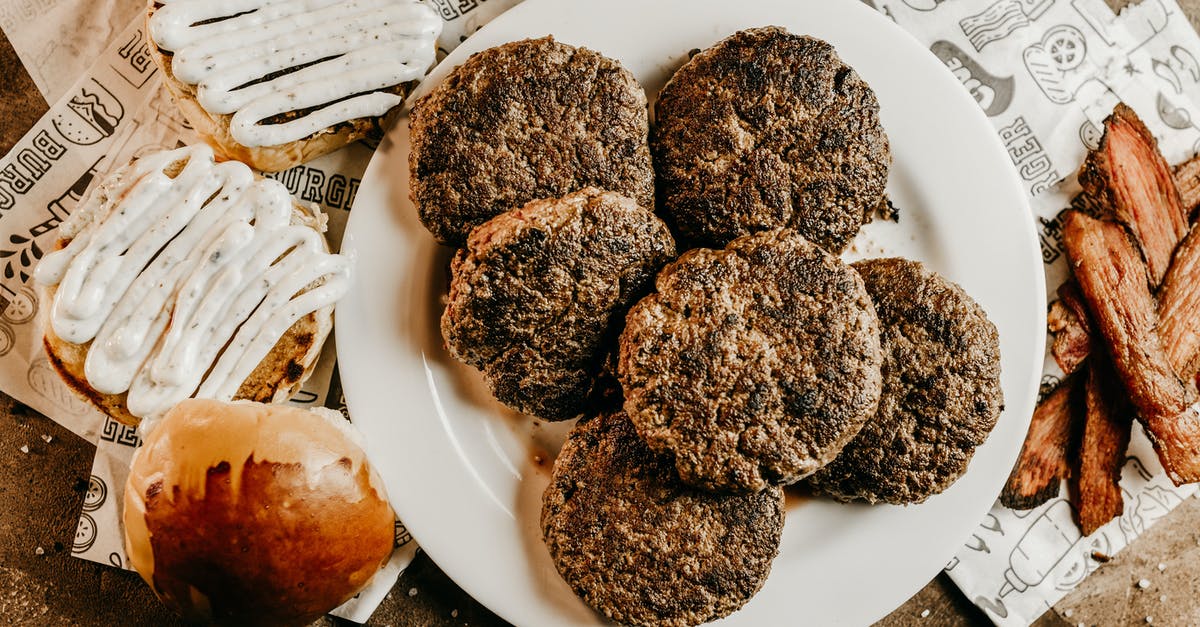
x=249 y=514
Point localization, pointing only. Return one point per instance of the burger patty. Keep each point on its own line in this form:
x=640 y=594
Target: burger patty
x=644 y=549
x=768 y=129
x=941 y=389
x=526 y=120
x=539 y=295
x=752 y=365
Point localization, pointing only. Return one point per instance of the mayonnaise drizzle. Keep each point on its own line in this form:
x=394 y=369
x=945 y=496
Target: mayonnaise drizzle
x=183 y=285
x=363 y=46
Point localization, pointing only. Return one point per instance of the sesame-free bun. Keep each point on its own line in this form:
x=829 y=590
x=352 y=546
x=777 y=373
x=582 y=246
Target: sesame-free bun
x=250 y=514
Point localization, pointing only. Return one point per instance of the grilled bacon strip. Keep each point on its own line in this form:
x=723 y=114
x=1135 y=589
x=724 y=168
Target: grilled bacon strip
x=1108 y=418
x=1110 y=274
x=1133 y=182
x=1043 y=463
x=1068 y=321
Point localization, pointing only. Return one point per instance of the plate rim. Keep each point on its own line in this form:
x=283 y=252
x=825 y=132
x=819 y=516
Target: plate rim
x=489 y=596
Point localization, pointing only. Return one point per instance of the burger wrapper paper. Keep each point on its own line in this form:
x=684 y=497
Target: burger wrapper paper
x=1045 y=72
x=89 y=58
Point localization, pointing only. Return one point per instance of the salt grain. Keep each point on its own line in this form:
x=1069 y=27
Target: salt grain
x=1068 y=613
x=412 y=592
x=1161 y=567
x=454 y=614
x=1143 y=584
x=1162 y=598
x=47 y=438
x=40 y=551
x=25 y=449
x=1149 y=619
x=925 y=614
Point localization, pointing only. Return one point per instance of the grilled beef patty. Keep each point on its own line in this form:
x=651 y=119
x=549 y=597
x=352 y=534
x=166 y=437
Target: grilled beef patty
x=941 y=389
x=641 y=547
x=768 y=129
x=752 y=365
x=526 y=120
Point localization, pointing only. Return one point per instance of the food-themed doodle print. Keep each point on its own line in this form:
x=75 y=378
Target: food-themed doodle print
x=923 y=5
x=121 y=434
x=1179 y=70
x=313 y=184
x=1045 y=543
x=93 y=114
x=42 y=379
x=85 y=533
x=97 y=493
x=136 y=56
x=1001 y=20
x=993 y=93
x=1056 y=64
x=402 y=535
x=1149 y=505
x=28 y=165
x=1137 y=23
x=1090 y=134
x=1028 y=154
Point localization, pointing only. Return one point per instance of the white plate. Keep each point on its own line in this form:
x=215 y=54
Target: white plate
x=461 y=470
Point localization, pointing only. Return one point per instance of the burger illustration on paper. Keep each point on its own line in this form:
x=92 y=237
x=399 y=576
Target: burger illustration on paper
x=91 y=115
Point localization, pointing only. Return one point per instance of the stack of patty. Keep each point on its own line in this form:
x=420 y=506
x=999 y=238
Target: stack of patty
x=740 y=368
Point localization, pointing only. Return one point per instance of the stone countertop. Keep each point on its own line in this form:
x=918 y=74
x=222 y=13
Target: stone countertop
x=41 y=493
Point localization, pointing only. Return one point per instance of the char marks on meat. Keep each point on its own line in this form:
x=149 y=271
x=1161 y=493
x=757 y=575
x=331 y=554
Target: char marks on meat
x=1179 y=309
x=1068 y=321
x=1108 y=418
x=1133 y=182
x=1043 y=462
x=1109 y=270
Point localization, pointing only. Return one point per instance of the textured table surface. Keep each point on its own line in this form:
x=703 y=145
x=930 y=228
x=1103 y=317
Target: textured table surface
x=41 y=493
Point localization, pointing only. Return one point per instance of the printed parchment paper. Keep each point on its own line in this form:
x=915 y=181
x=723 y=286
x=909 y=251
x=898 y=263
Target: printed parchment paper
x=90 y=59
x=1047 y=73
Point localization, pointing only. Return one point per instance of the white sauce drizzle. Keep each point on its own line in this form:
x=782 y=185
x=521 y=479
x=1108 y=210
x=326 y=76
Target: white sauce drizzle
x=183 y=285
x=363 y=46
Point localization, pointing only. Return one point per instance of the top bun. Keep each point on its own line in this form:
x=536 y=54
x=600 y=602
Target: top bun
x=243 y=513
x=275 y=84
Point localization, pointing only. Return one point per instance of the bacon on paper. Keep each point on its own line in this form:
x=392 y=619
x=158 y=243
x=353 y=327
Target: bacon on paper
x=1108 y=418
x=1043 y=464
x=1068 y=321
x=1110 y=273
x=1133 y=182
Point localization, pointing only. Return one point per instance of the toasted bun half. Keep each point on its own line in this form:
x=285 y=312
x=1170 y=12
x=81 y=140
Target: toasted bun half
x=214 y=128
x=250 y=514
x=277 y=377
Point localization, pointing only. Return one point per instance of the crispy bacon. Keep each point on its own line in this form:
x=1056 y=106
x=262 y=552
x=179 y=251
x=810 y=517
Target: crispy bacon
x=1133 y=182
x=1068 y=321
x=1187 y=180
x=1111 y=275
x=1108 y=418
x=1043 y=465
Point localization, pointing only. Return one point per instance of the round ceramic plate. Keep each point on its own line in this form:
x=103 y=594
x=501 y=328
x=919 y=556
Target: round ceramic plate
x=467 y=475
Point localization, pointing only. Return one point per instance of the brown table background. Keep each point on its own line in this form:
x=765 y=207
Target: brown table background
x=41 y=493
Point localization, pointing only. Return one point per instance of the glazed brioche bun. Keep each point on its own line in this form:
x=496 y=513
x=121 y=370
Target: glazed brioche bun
x=276 y=378
x=214 y=128
x=249 y=514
